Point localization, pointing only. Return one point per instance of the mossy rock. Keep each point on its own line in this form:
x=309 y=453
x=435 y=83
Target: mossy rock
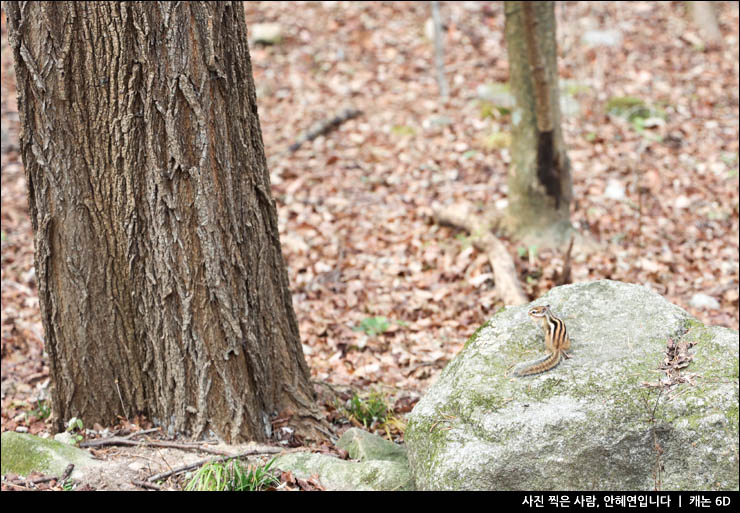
x=365 y=446
x=606 y=419
x=23 y=453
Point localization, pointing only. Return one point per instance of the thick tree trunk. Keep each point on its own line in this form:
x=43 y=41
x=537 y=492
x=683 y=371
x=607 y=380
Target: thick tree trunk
x=540 y=187
x=162 y=285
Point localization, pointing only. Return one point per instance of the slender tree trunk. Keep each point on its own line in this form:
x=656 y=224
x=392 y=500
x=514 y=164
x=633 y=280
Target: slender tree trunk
x=162 y=285
x=540 y=187
x=705 y=18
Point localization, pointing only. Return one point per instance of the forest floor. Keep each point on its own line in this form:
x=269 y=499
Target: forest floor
x=384 y=296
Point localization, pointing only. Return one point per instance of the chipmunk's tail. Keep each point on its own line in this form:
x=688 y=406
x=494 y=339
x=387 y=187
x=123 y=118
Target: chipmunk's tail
x=542 y=365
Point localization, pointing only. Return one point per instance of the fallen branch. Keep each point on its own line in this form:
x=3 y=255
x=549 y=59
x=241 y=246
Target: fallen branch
x=504 y=272
x=39 y=480
x=127 y=440
x=324 y=127
x=191 y=466
x=154 y=443
x=144 y=484
x=20 y=487
x=98 y=442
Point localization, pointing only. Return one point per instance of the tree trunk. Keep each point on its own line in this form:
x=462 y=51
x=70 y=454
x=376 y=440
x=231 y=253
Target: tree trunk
x=162 y=285
x=706 y=20
x=540 y=187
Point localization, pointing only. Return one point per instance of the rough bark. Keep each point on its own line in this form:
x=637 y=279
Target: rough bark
x=162 y=285
x=540 y=187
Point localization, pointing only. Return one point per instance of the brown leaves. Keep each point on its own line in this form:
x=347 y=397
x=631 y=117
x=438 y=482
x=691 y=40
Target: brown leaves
x=677 y=358
x=354 y=205
x=311 y=484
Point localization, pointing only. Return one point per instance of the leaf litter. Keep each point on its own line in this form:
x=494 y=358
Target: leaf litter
x=384 y=296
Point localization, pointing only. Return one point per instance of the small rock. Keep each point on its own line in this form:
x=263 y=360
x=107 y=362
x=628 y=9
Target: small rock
x=436 y=120
x=614 y=190
x=138 y=465
x=429 y=29
x=569 y=106
x=65 y=437
x=266 y=33
x=365 y=446
x=498 y=94
x=602 y=38
x=21 y=429
x=682 y=202
x=704 y=301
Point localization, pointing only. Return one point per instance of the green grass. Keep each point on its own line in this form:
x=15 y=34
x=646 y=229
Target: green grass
x=41 y=412
x=374 y=412
x=373 y=326
x=232 y=475
x=640 y=114
x=369 y=410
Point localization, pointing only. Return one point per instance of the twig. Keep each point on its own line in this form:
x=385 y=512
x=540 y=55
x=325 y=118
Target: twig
x=127 y=440
x=565 y=278
x=153 y=443
x=144 y=484
x=8 y=483
x=121 y=397
x=185 y=468
x=103 y=441
x=40 y=480
x=67 y=472
x=324 y=127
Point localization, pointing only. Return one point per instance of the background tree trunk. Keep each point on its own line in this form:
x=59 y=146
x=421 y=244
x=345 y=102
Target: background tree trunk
x=540 y=187
x=162 y=285
x=705 y=18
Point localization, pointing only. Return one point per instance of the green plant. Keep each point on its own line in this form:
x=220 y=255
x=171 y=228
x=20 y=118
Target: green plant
x=367 y=411
x=464 y=239
x=403 y=130
x=232 y=475
x=530 y=252
x=75 y=427
x=372 y=326
x=497 y=141
x=42 y=410
x=374 y=412
x=639 y=114
x=491 y=110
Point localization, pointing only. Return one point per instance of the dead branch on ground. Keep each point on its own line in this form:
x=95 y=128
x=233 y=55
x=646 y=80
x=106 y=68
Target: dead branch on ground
x=504 y=272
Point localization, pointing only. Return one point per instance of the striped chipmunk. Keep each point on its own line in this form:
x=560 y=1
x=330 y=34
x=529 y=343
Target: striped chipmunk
x=556 y=342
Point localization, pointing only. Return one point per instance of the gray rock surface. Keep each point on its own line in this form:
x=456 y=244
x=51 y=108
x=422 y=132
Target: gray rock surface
x=606 y=419
x=266 y=33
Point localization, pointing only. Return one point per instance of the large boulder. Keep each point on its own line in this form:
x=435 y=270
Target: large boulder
x=609 y=418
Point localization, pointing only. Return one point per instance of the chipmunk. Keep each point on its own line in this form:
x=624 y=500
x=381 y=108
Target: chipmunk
x=556 y=341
